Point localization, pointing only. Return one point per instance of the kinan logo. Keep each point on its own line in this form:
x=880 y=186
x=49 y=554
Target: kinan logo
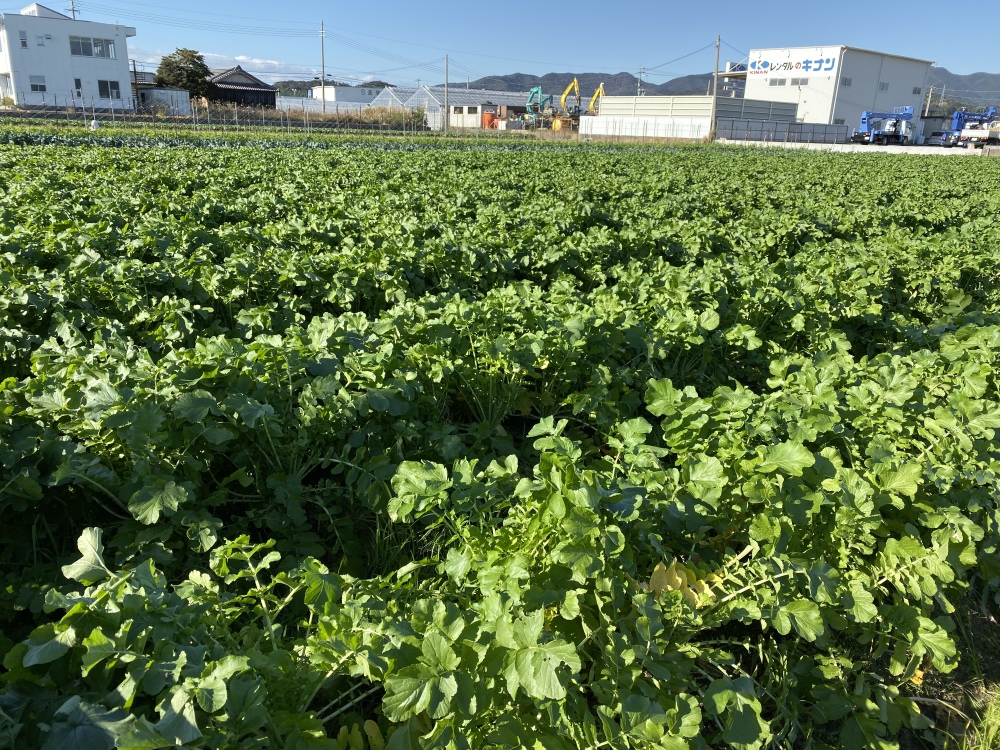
x=760 y=67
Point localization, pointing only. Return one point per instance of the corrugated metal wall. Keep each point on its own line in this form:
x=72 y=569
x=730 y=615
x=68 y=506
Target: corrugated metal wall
x=656 y=106
x=755 y=109
x=696 y=107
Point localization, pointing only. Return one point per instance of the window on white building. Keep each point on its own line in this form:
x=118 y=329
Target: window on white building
x=24 y=39
x=456 y=110
x=846 y=82
x=78 y=87
x=777 y=82
x=883 y=87
x=916 y=90
x=472 y=110
x=40 y=41
x=800 y=81
x=839 y=121
x=37 y=83
x=108 y=90
x=104 y=48
x=84 y=46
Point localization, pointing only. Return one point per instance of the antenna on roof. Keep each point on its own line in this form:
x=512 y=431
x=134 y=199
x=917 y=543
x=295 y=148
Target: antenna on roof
x=72 y=9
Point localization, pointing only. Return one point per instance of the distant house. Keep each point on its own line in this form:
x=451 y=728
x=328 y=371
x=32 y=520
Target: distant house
x=237 y=86
x=47 y=58
x=164 y=99
x=467 y=106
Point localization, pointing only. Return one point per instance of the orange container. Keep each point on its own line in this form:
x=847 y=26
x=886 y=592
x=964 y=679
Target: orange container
x=488 y=119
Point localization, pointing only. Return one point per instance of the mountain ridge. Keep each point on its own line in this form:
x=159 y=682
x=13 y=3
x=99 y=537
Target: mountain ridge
x=950 y=89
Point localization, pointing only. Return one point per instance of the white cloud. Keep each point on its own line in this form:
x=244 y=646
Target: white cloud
x=269 y=70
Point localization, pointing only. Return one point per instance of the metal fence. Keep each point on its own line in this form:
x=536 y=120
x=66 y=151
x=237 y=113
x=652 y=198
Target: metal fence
x=222 y=117
x=784 y=132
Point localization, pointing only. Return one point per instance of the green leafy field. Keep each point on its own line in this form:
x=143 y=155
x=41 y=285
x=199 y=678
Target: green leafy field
x=388 y=444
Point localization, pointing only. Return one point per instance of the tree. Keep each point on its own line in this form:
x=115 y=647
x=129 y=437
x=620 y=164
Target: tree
x=185 y=69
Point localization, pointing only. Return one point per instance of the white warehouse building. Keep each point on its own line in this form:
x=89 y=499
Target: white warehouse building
x=48 y=58
x=834 y=85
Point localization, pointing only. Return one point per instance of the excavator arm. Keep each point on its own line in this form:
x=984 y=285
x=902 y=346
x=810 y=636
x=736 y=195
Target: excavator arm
x=573 y=86
x=597 y=95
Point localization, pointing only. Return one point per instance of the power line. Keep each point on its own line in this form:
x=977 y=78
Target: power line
x=201 y=25
x=682 y=57
x=293 y=33
x=738 y=51
x=224 y=15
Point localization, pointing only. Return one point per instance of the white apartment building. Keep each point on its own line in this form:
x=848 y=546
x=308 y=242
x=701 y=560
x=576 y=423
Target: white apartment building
x=47 y=58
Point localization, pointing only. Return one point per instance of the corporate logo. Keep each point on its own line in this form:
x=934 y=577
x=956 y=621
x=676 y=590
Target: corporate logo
x=762 y=67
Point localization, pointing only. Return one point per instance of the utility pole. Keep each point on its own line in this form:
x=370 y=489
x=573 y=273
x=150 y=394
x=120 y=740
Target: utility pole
x=322 y=63
x=941 y=100
x=135 y=85
x=715 y=90
x=927 y=107
x=638 y=85
x=447 y=112
x=72 y=9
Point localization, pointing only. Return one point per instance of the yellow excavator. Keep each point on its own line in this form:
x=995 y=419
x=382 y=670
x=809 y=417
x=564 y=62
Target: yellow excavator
x=599 y=94
x=570 y=117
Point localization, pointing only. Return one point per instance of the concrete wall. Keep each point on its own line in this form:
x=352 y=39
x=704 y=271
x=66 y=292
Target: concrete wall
x=48 y=56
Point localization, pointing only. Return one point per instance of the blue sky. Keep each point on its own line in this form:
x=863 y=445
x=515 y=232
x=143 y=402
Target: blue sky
x=405 y=41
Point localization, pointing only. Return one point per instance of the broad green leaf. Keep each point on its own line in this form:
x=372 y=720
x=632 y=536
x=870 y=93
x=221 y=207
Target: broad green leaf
x=177 y=718
x=662 y=398
x=158 y=497
x=46 y=644
x=81 y=726
x=99 y=648
x=805 y=617
x=90 y=568
x=387 y=400
x=195 y=406
x=860 y=603
x=457 y=565
x=531 y=665
x=409 y=696
x=417 y=485
x=789 y=457
x=210 y=693
x=709 y=320
x=901 y=479
x=735 y=703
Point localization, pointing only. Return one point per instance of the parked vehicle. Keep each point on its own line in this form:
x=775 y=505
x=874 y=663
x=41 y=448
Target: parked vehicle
x=885 y=127
x=970 y=127
x=937 y=138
